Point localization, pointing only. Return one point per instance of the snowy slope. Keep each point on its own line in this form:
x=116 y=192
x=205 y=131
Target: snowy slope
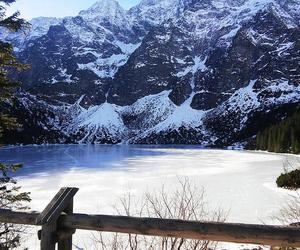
x=97 y=123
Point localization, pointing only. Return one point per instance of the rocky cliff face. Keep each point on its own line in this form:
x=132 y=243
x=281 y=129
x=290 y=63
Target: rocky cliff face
x=210 y=72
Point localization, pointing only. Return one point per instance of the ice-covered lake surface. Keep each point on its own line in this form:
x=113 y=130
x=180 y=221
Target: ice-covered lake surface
x=240 y=182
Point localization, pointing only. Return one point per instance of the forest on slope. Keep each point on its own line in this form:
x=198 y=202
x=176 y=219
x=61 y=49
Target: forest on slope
x=283 y=137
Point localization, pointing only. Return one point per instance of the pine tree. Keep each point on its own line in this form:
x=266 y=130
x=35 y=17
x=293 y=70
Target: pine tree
x=13 y=199
x=281 y=137
x=8 y=62
x=10 y=195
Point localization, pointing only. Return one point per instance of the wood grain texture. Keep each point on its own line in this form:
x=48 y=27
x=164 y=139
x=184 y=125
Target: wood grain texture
x=214 y=231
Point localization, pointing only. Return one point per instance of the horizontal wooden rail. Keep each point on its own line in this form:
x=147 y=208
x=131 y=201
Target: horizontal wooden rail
x=8 y=216
x=213 y=231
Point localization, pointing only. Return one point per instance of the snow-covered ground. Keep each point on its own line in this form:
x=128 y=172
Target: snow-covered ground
x=241 y=182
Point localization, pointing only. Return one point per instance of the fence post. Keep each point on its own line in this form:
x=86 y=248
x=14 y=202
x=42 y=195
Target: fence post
x=65 y=235
x=48 y=236
x=51 y=232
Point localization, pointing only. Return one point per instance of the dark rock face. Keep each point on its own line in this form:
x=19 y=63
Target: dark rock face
x=181 y=91
x=206 y=72
x=39 y=124
x=54 y=69
x=206 y=100
x=149 y=70
x=45 y=53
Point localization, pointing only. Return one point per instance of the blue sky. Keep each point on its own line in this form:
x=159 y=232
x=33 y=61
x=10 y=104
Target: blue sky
x=57 y=8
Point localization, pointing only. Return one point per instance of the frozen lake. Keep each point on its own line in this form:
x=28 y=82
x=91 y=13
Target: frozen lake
x=240 y=182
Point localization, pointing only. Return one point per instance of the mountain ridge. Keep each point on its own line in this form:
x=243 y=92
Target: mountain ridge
x=202 y=74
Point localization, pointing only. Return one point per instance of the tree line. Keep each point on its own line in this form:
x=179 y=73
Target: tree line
x=283 y=137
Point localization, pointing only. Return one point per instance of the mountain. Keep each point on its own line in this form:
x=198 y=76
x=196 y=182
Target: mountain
x=210 y=72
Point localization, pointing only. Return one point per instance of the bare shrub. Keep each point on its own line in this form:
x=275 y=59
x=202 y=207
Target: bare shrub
x=186 y=203
x=290 y=211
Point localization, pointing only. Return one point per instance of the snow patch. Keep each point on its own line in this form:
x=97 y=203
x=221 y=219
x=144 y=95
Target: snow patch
x=108 y=67
x=182 y=116
x=100 y=116
x=199 y=65
x=245 y=99
x=284 y=47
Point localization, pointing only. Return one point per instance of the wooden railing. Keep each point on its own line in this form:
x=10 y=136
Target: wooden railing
x=59 y=223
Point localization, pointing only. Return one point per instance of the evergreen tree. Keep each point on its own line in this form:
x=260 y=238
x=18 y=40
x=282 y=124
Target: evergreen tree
x=13 y=199
x=10 y=195
x=282 y=137
x=8 y=62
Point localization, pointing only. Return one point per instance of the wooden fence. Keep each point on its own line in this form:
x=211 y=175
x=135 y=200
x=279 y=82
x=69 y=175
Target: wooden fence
x=59 y=223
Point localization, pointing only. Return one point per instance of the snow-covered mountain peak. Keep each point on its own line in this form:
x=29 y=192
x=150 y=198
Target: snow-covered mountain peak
x=155 y=12
x=105 y=6
x=109 y=10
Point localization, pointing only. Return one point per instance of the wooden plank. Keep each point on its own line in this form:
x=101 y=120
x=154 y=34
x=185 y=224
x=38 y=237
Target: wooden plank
x=213 y=231
x=22 y=218
x=57 y=205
